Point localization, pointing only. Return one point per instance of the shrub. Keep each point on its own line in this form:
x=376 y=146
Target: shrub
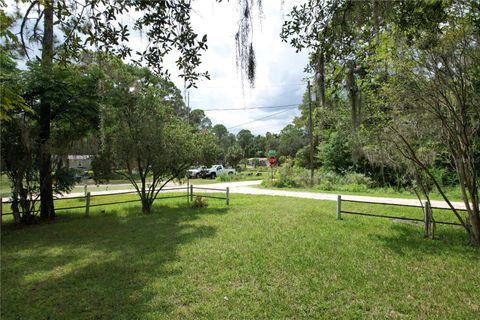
x=224 y=177
x=357 y=178
x=200 y=202
x=290 y=176
x=286 y=177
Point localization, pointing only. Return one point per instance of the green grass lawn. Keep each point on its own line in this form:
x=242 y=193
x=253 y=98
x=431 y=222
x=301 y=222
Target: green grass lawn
x=261 y=258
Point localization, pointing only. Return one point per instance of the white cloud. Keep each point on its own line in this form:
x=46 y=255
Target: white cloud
x=279 y=78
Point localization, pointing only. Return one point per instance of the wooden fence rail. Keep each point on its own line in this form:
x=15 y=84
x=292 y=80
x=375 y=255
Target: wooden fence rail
x=88 y=196
x=426 y=209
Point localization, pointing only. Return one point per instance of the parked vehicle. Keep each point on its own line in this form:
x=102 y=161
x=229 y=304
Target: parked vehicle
x=81 y=176
x=217 y=169
x=197 y=172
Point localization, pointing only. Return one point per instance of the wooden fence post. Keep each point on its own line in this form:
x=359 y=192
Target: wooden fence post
x=339 y=207
x=426 y=218
x=87 y=205
x=191 y=192
x=228 y=196
x=85 y=190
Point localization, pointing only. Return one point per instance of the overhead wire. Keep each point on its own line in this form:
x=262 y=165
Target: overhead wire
x=256 y=86
x=262 y=118
x=252 y=108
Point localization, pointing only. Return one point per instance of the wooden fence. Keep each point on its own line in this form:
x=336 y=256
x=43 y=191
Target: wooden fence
x=426 y=207
x=189 y=194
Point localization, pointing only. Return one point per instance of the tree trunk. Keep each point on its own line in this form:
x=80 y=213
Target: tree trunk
x=354 y=96
x=321 y=78
x=146 y=205
x=353 y=93
x=47 y=210
x=15 y=196
x=475 y=234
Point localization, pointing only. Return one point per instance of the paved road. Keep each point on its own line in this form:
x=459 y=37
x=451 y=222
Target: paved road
x=248 y=187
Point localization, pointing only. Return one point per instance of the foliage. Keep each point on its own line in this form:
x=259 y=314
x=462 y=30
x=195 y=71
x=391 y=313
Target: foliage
x=10 y=87
x=404 y=72
x=335 y=153
x=20 y=163
x=74 y=113
x=424 y=128
x=142 y=133
x=102 y=167
x=99 y=24
x=245 y=140
x=74 y=98
x=234 y=155
x=198 y=120
x=291 y=139
x=62 y=30
x=290 y=176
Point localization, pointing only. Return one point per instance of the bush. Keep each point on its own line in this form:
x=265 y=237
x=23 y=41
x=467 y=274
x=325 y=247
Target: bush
x=224 y=177
x=200 y=202
x=290 y=176
x=286 y=177
x=357 y=178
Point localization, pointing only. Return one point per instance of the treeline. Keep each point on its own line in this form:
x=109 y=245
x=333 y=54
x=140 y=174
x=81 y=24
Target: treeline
x=233 y=149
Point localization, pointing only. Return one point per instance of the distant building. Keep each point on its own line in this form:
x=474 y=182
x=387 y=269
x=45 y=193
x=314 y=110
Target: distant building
x=258 y=162
x=79 y=161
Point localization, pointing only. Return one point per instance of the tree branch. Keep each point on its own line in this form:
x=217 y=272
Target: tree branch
x=22 y=26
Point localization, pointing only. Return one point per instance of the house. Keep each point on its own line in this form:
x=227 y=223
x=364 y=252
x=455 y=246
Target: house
x=78 y=161
x=258 y=162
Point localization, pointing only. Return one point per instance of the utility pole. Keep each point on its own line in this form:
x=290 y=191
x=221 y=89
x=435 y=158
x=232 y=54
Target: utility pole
x=188 y=122
x=310 y=131
x=188 y=107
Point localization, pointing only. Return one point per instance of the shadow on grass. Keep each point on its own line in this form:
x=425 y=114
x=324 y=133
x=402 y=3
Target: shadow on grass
x=405 y=239
x=106 y=266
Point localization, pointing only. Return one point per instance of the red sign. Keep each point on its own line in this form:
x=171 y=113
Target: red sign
x=272 y=161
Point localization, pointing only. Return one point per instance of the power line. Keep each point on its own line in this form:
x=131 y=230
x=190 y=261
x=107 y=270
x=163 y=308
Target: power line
x=270 y=115
x=251 y=108
x=256 y=86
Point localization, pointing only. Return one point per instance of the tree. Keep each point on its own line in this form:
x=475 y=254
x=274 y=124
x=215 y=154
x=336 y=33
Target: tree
x=408 y=70
x=10 y=88
x=343 y=36
x=433 y=96
x=291 y=139
x=80 y=25
x=259 y=146
x=198 y=120
x=74 y=112
x=234 y=155
x=144 y=136
x=335 y=153
x=245 y=140
x=271 y=141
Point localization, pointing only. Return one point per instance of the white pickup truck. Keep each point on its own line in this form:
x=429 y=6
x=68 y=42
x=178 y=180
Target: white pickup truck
x=196 y=172
x=217 y=169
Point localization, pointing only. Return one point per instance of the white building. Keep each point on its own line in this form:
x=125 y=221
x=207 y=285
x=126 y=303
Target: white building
x=79 y=161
